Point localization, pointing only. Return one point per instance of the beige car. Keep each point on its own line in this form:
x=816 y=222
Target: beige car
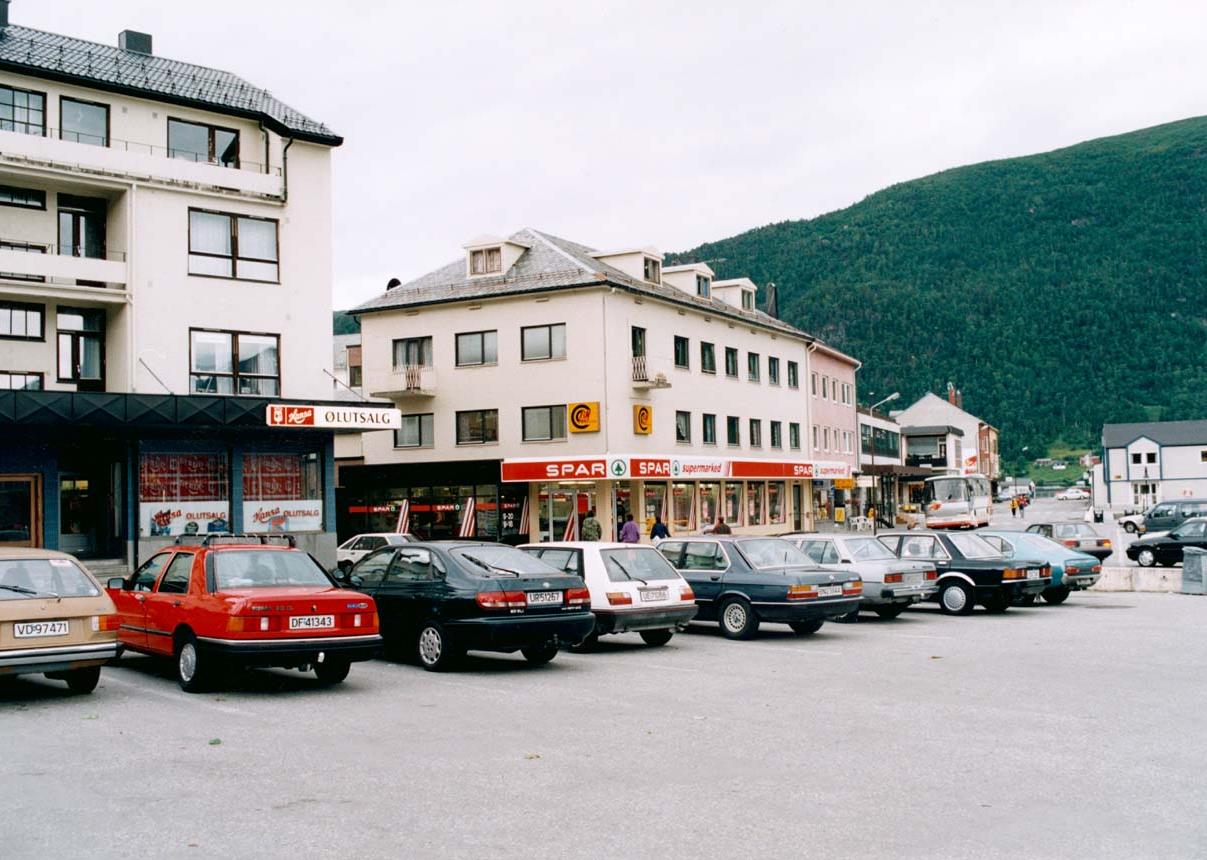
x=55 y=619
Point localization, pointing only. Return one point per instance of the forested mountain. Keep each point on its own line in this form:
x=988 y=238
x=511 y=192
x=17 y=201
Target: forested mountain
x=1058 y=291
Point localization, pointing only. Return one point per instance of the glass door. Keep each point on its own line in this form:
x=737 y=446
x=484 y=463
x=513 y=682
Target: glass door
x=78 y=514
x=20 y=510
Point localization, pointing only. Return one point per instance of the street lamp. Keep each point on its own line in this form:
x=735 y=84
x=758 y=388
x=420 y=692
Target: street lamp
x=872 y=409
x=891 y=397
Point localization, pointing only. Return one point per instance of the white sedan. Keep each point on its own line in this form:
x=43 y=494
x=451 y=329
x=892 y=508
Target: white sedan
x=354 y=549
x=1072 y=494
x=633 y=587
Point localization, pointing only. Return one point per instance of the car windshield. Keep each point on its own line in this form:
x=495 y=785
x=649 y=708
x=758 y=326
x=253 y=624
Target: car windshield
x=639 y=563
x=774 y=552
x=869 y=549
x=1071 y=530
x=235 y=569
x=488 y=560
x=23 y=578
x=974 y=546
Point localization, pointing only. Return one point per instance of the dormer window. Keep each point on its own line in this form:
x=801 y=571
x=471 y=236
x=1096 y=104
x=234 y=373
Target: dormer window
x=653 y=270
x=703 y=286
x=747 y=300
x=486 y=261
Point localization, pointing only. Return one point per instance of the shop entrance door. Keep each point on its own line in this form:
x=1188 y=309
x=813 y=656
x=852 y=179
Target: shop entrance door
x=797 y=504
x=20 y=510
x=79 y=517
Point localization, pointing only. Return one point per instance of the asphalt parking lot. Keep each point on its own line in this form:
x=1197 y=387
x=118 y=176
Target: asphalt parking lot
x=1066 y=731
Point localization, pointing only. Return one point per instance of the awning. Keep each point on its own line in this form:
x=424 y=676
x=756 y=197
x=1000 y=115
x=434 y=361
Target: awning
x=896 y=470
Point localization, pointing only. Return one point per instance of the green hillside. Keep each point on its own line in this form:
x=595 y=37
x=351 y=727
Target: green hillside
x=1058 y=291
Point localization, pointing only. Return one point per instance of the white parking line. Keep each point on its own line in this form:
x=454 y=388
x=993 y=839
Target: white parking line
x=921 y=636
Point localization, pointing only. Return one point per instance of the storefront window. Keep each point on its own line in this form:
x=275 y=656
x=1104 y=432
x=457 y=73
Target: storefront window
x=709 y=495
x=681 y=507
x=754 y=503
x=655 y=504
x=555 y=508
x=733 y=503
x=183 y=494
x=487 y=511
x=282 y=493
x=775 y=502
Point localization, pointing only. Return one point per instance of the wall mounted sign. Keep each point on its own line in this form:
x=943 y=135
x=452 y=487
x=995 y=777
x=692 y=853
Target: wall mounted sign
x=643 y=419
x=332 y=417
x=584 y=417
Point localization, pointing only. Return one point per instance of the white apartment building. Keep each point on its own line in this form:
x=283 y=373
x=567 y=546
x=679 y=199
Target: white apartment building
x=1151 y=462
x=539 y=378
x=165 y=275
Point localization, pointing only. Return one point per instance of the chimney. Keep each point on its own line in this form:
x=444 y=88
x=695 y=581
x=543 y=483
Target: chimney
x=959 y=399
x=3 y=13
x=773 y=303
x=134 y=41
x=951 y=394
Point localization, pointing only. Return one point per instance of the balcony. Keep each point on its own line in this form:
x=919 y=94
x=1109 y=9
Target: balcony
x=409 y=382
x=37 y=263
x=643 y=380
x=132 y=160
x=927 y=461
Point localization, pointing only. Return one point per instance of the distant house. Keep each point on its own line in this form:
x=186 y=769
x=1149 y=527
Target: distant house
x=1154 y=462
x=979 y=439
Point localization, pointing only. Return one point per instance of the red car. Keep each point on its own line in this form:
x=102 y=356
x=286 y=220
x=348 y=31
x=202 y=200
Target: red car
x=236 y=600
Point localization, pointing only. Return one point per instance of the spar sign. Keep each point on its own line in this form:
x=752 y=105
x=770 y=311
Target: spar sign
x=332 y=417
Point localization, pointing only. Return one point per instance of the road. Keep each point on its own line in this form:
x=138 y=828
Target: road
x=1067 y=731
x=1051 y=510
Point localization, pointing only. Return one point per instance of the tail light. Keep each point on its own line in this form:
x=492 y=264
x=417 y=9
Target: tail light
x=1096 y=569
x=891 y=578
x=933 y=506
x=801 y=592
x=619 y=598
x=931 y=575
x=501 y=599
x=250 y=624
x=1014 y=573
x=106 y=622
x=852 y=588
x=686 y=593
x=1070 y=543
x=578 y=597
x=1105 y=544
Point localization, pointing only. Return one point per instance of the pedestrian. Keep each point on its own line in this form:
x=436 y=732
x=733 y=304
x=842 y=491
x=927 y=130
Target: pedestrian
x=629 y=532
x=591 y=529
x=1022 y=507
x=1014 y=506
x=721 y=528
x=659 y=531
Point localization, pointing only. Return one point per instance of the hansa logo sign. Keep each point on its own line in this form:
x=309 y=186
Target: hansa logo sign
x=584 y=417
x=643 y=420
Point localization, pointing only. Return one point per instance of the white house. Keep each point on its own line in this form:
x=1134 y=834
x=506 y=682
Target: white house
x=1151 y=462
x=978 y=448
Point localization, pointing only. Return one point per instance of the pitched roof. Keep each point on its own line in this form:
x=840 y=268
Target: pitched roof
x=551 y=263
x=64 y=58
x=1166 y=433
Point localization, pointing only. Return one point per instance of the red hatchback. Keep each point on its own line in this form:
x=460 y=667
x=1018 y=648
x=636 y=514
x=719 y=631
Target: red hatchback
x=235 y=600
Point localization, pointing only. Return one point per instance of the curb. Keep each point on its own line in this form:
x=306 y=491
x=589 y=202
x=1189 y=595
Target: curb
x=1138 y=579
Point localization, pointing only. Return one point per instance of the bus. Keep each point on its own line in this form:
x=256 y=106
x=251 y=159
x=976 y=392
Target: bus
x=957 y=502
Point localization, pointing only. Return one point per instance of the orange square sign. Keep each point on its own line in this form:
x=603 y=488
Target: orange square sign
x=643 y=419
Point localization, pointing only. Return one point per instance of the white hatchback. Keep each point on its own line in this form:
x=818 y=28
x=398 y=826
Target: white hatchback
x=354 y=549
x=633 y=587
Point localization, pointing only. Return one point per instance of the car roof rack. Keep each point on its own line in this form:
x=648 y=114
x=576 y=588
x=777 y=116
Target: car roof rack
x=218 y=538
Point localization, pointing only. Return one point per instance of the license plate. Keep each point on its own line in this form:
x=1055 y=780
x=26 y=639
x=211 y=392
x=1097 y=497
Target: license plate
x=35 y=629
x=912 y=578
x=654 y=594
x=829 y=591
x=1032 y=573
x=311 y=622
x=544 y=598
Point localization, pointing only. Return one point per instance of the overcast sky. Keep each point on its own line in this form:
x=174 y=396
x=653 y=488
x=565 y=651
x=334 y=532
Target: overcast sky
x=650 y=123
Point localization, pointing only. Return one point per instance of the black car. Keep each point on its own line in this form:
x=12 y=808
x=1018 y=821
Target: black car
x=742 y=581
x=1167 y=548
x=970 y=569
x=438 y=600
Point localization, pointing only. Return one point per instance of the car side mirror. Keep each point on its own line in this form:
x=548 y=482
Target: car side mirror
x=116 y=583
x=354 y=580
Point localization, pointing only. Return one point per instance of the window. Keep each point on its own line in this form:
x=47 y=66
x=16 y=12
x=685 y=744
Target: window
x=637 y=336
x=775 y=502
x=704 y=555
x=733 y=430
x=1136 y=459
x=412 y=352
x=731 y=362
x=794 y=436
x=176 y=577
x=683 y=426
x=1203 y=456
x=747 y=300
x=233 y=246
x=846 y=442
x=416 y=431
x=653 y=270
x=84 y=122
x=708 y=358
x=194 y=141
x=681 y=349
x=754 y=503
x=709 y=429
x=846 y=393
x=355 y=375
x=29 y=248
x=82 y=222
x=22 y=198
x=542 y=423
x=703 y=286
x=15 y=380
x=773 y=371
x=752 y=366
x=813 y=383
x=777 y=434
x=1151 y=457
x=282 y=492
x=477 y=348
x=793 y=375
x=477 y=427
x=486 y=261
x=232 y=362
x=144 y=578
x=825 y=388
x=545 y=341
x=756 y=433
x=19 y=321
x=182 y=493
x=81 y=347
x=22 y=111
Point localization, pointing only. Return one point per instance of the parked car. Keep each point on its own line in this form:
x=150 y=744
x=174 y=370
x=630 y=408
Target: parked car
x=1072 y=494
x=741 y=582
x=1072 y=570
x=1163 y=517
x=1078 y=536
x=1167 y=548
x=890 y=584
x=970 y=570
x=633 y=587
x=55 y=619
x=354 y=549
x=440 y=599
x=219 y=601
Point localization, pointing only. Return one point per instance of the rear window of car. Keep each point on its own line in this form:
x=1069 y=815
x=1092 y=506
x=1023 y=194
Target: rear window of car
x=261 y=569
x=1072 y=530
x=489 y=560
x=25 y=578
x=868 y=549
x=773 y=552
x=974 y=546
x=644 y=563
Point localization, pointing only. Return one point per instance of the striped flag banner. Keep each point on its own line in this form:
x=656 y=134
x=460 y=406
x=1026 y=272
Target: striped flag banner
x=691 y=510
x=469 y=518
x=404 y=517
x=571 y=532
x=524 y=529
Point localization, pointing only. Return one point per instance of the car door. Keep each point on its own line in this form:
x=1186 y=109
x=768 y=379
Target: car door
x=410 y=593
x=1161 y=518
x=130 y=599
x=704 y=567
x=166 y=606
x=1172 y=549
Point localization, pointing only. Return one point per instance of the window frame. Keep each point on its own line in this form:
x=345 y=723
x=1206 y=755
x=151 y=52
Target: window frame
x=747 y=300
x=777 y=434
x=29 y=92
x=108 y=120
x=36 y=192
x=550 y=327
x=708 y=358
x=77 y=336
x=25 y=307
x=733 y=431
x=753 y=366
x=704 y=286
x=487 y=257
x=652 y=264
x=686 y=437
x=429 y=360
x=793 y=374
x=756 y=432
x=524 y=410
x=813 y=383
x=482 y=347
x=732 y=352
x=708 y=428
x=773 y=370
x=234 y=258
x=482 y=413
x=210 y=129
x=167 y=571
x=794 y=435
x=27 y=374
x=423 y=442
x=235 y=375
x=682 y=348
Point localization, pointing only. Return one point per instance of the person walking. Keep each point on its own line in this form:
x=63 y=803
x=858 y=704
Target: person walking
x=721 y=528
x=591 y=529
x=1013 y=506
x=659 y=531
x=629 y=532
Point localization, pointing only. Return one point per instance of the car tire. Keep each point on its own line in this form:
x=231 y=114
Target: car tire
x=331 y=672
x=806 y=628
x=83 y=680
x=1057 y=595
x=957 y=598
x=738 y=620
x=539 y=655
x=996 y=603
x=1130 y=528
x=656 y=638
x=192 y=670
x=433 y=650
x=1146 y=557
x=891 y=611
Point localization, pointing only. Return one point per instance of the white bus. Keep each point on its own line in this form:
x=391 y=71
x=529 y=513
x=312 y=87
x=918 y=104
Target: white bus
x=961 y=502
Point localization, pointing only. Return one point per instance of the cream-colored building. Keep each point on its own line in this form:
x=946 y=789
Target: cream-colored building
x=541 y=378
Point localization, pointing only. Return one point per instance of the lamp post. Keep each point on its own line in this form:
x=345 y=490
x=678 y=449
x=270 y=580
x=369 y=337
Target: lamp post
x=871 y=411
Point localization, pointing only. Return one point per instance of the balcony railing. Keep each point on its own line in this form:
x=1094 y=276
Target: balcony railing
x=640 y=374
x=142 y=148
x=42 y=263
x=643 y=379
x=933 y=461
x=405 y=382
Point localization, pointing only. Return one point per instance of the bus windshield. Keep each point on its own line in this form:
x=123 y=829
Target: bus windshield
x=947 y=490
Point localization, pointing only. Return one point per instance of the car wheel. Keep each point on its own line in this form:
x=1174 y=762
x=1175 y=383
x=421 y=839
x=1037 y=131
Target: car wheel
x=1056 y=596
x=435 y=652
x=957 y=598
x=656 y=638
x=738 y=620
x=891 y=611
x=540 y=654
x=192 y=669
x=806 y=628
x=83 y=680
x=1130 y=528
x=1146 y=558
x=997 y=603
x=332 y=671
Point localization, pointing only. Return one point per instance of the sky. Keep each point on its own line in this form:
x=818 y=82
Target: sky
x=630 y=124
